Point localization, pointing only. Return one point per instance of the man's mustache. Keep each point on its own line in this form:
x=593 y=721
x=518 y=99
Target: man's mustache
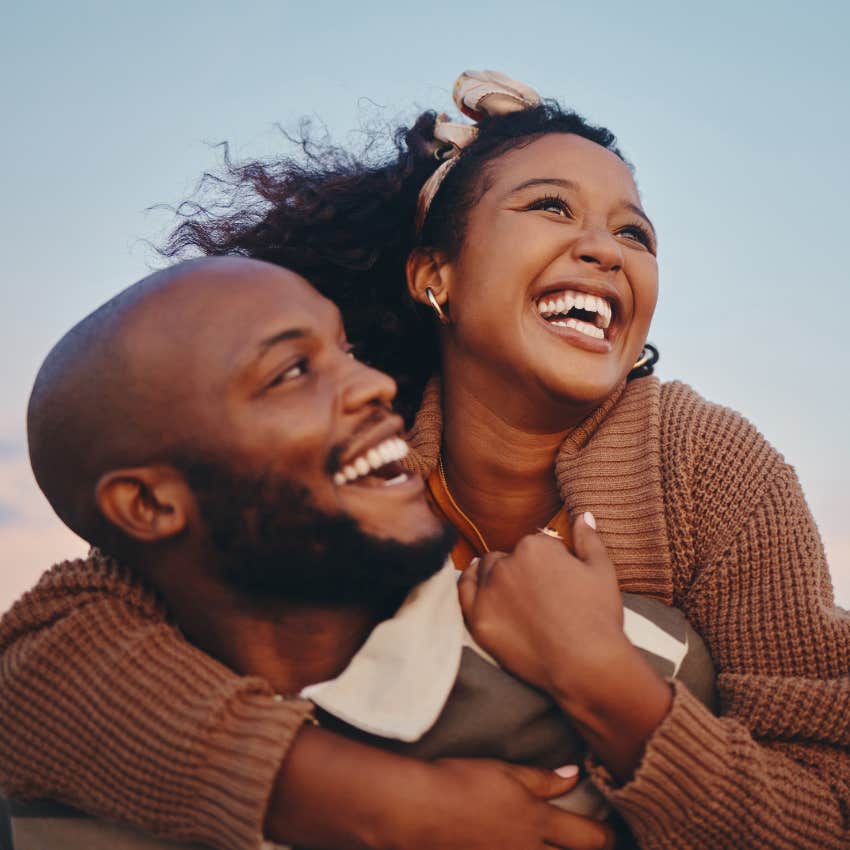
x=378 y=415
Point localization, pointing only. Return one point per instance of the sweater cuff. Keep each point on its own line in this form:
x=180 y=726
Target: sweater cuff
x=240 y=763
x=683 y=757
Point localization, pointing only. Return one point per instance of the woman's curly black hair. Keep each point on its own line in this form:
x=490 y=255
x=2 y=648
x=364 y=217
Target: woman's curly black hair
x=346 y=223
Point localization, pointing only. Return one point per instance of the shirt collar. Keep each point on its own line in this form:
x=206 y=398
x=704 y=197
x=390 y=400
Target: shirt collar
x=399 y=681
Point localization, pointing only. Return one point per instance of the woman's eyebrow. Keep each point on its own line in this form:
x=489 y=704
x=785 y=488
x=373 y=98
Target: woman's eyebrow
x=639 y=212
x=539 y=181
x=571 y=184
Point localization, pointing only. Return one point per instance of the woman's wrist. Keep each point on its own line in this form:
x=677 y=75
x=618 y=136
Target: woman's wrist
x=618 y=707
x=334 y=792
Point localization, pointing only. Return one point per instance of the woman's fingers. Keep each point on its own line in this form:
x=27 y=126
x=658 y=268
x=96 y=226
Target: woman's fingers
x=467 y=587
x=588 y=544
x=574 y=832
x=545 y=784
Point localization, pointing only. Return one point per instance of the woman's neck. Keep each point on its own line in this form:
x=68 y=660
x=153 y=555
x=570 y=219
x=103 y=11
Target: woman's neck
x=500 y=474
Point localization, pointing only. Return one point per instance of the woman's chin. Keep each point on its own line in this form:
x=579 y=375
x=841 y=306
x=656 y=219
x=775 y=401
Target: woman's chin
x=585 y=392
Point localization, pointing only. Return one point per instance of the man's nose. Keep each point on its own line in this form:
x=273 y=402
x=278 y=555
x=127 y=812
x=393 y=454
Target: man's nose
x=598 y=246
x=365 y=385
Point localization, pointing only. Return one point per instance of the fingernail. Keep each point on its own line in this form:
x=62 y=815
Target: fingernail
x=568 y=771
x=474 y=562
x=590 y=519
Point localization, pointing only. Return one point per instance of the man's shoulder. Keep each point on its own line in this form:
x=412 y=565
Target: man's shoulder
x=89 y=585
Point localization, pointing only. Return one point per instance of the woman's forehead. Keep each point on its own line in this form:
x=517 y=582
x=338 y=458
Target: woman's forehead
x=565 y=158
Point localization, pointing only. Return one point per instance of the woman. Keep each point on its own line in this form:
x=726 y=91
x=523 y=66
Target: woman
x=533 y=265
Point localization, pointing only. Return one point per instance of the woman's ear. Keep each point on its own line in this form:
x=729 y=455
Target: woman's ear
x=427 y=269
x=148 y=503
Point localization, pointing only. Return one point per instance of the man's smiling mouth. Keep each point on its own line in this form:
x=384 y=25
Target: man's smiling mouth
x=581 y=311
x=376 y=466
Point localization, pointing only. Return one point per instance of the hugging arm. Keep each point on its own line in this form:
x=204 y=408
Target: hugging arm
x=107 y=708
x=773 y=770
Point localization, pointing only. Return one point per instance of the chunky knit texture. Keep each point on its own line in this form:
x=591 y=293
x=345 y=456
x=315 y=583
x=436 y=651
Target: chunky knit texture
x=105 y=706
x=698 y=510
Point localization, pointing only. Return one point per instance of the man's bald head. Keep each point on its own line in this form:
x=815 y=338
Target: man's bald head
x=121 y=388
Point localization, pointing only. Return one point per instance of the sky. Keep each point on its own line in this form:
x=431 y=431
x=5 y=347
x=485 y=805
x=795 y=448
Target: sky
x=734 y=114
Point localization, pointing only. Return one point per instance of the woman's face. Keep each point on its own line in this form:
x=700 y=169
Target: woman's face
x=556 y=283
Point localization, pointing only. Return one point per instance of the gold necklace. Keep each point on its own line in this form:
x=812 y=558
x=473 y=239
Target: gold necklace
x=458 y=508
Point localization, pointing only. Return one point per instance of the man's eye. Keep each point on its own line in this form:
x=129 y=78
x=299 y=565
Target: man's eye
x=551 y=204
x=296 y=370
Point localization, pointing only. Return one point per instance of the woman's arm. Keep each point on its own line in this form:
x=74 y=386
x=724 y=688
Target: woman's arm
x=105 y=707
x=773 y=771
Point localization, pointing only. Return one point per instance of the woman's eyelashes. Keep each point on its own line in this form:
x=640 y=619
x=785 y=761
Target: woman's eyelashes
x=556 y=205
x=638 y=233
x=551 y=204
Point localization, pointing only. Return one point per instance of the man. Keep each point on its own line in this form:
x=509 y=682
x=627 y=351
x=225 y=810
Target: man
x=210 y=430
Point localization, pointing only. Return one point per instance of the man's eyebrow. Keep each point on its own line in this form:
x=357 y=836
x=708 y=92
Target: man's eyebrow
x=282 y=336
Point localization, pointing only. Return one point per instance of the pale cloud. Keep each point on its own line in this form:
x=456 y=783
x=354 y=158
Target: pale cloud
x=31 y=536
x=28 y=550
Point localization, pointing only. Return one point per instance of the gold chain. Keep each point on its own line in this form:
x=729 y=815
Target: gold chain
x=458 y=508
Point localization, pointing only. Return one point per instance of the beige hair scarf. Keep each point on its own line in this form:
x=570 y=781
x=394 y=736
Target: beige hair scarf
x=478 y=94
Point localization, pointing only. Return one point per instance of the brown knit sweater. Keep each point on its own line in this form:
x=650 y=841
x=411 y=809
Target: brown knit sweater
x=103 y=704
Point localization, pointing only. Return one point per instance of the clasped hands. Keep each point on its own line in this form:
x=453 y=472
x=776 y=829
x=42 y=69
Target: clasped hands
x=555 y=619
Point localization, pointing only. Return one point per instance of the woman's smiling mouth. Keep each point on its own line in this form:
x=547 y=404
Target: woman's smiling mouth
x=583 y=319
x=588 y=314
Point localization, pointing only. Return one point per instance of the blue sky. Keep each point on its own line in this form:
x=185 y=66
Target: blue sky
x=735 y=116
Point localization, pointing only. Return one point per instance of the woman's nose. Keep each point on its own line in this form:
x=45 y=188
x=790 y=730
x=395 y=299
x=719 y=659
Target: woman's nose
x=599 y=247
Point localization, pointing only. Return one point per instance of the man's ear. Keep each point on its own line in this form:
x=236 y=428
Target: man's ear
x=148 y=503
x=427 y=268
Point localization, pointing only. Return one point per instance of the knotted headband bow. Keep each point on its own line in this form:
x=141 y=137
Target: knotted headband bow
x=478 y=94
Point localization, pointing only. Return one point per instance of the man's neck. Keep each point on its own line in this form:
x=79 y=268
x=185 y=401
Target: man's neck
x=292 y=647
x=289 y=645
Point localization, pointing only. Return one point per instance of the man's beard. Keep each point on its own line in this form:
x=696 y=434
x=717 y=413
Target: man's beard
x=273 y=544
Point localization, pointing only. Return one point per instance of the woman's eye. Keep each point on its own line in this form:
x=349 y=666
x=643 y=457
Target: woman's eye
x=551 y=204
x=637 y=234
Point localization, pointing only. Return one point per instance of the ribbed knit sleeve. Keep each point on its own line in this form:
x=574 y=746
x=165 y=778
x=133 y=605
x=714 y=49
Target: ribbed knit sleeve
x=106 y=707
x=773 y=770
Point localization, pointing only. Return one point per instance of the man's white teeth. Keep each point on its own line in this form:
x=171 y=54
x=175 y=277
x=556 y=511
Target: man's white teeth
x=378 y=456
x=582 y=327
x=561 y=303
x=399 y=479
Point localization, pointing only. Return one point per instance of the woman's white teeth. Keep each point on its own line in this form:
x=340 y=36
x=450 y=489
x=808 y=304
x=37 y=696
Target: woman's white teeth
x=581 y=327
x=378 y=456
x=563 y=302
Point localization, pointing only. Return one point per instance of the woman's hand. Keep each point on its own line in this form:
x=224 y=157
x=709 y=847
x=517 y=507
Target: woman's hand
x=491 y=805
x=556 y=620
x=336 y=793
x=550 y=617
